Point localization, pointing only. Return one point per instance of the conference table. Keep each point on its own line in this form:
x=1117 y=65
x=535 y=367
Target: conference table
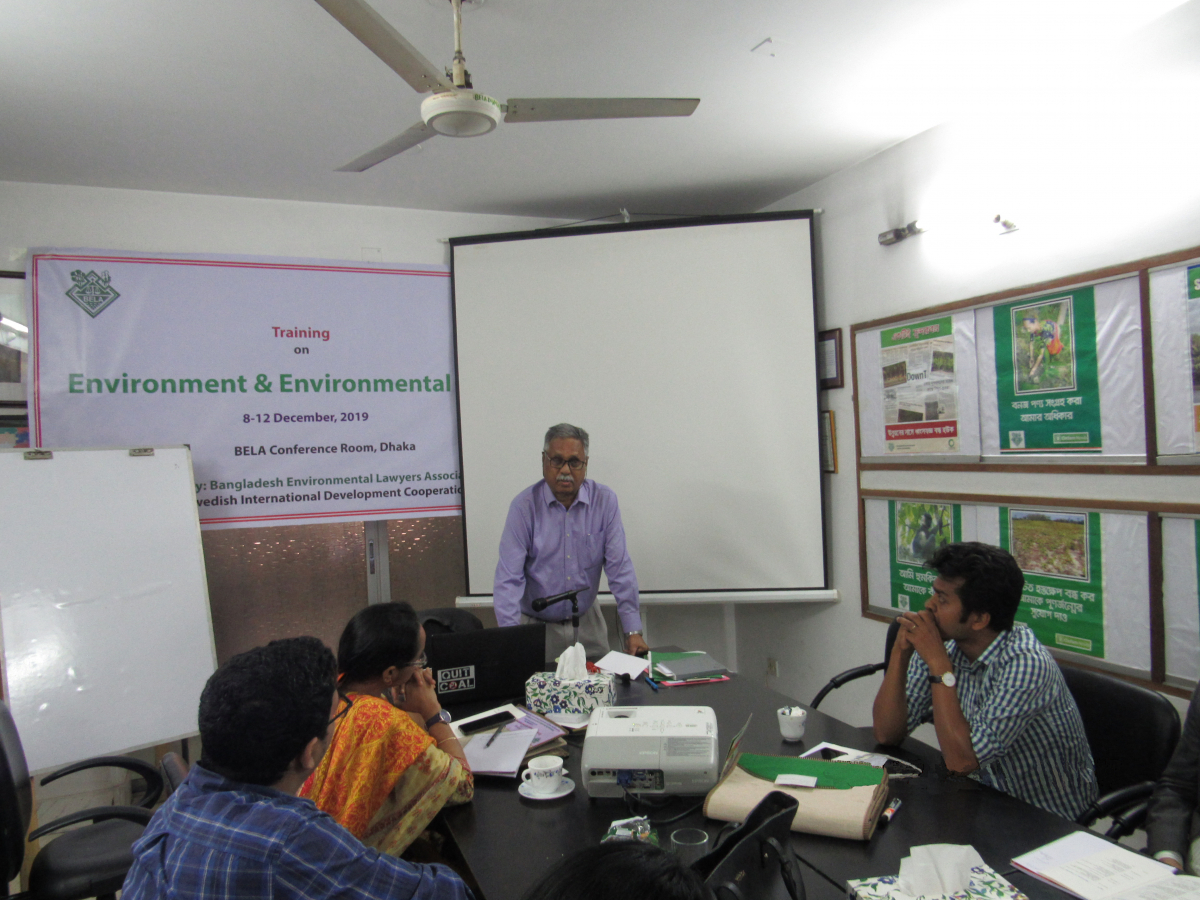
x=509 y=842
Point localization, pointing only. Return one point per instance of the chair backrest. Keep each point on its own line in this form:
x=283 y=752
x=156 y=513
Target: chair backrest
x=174 y=770
x=16 y=797
x=1132 y=730
x=448 y=620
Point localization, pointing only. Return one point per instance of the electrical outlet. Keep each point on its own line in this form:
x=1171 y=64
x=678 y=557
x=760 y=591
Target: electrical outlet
x=772 y=667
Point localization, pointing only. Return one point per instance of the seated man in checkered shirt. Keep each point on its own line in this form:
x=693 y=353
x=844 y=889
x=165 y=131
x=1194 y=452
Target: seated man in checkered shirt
x=996 y=697
x=235 y=827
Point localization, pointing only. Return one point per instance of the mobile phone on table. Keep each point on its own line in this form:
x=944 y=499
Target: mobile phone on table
x=500 y=718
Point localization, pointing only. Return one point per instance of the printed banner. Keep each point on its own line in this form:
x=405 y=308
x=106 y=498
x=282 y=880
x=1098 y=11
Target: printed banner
x=1059 y=552
x=307 y=391
x=915 y=532
x=1193 y=318
x=920 y=391
x=1047 y=387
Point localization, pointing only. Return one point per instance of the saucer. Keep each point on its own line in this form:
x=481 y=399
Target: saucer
x=565 y=788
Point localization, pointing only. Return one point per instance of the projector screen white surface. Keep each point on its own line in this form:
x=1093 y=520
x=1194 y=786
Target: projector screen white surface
x=688 y=354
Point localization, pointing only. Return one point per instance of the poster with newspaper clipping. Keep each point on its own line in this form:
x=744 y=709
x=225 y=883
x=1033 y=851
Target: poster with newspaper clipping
x=1047 y=385
x=916 y=531
x=1059 y=552
x=920 y=390
x=1193 y=319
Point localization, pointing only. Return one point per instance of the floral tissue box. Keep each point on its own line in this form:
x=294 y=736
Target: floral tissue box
x=986 y=884
x=547 y=693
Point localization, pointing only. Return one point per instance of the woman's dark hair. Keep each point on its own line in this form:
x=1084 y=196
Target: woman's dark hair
x=260 y=709
x=620 y=870
x=991 y=580
x=379 y=636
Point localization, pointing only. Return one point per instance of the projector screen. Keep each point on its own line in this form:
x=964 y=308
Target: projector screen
x=686 y=349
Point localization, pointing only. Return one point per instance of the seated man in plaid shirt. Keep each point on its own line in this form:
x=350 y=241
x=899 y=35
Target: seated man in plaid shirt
x=235 y=827
x=995 y=695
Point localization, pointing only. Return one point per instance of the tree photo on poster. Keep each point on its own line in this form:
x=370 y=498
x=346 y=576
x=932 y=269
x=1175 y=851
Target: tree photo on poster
x=1059 y=552
x=915 y=532
x=1047 y=384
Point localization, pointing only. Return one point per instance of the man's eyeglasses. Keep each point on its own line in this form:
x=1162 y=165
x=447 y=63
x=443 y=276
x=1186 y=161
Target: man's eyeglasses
x=557 y=462
x=349 y=703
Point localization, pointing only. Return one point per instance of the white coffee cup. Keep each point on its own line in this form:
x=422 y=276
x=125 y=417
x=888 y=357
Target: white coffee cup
x=792 y=720
x=544 y=775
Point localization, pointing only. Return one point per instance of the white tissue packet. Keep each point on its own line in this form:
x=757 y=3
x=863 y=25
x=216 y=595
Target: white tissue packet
x=937 y=869
x=572 y=665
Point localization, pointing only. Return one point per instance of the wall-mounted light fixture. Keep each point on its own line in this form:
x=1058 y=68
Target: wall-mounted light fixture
x=895 y=235
x=1006 y=226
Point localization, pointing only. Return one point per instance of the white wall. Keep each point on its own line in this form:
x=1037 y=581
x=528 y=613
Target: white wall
x=50 y=215
x=1084 y=196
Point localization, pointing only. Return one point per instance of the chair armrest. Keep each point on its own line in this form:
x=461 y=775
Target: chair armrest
x=95 y=814
x=844 y=677
x=154 y=782
x=1128 y=821
x=1115 y=801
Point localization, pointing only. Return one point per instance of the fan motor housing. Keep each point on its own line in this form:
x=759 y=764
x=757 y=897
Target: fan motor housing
x=461 y=113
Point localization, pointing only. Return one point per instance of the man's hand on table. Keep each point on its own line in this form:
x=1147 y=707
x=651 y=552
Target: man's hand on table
x=635 y=646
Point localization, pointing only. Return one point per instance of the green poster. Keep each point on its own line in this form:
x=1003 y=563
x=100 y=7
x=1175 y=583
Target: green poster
x=1193 y=316
x=915 y=531
x=1059 y=552
x=1047 y=389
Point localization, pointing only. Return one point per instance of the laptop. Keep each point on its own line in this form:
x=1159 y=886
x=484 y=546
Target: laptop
x=489 y=664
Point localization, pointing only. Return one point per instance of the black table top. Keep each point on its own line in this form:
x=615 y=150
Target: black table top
x=509 y=841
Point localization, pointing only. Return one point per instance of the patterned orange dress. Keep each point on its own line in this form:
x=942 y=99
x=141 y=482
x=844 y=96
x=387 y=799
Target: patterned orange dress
x=383 y=777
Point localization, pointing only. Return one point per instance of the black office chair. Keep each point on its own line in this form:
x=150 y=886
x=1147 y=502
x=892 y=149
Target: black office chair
x=859 y=671
x=174 y=770
x=85 y=862
x=449 y=620
x=1132 y=732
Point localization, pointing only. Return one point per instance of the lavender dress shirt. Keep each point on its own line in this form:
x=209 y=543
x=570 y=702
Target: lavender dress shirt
x=547 y=549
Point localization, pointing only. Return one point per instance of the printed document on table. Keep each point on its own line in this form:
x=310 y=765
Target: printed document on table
x=504 y=755
x=1092 y=868
x=623 y=664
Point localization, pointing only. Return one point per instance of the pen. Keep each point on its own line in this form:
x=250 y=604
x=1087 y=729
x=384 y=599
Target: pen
x=886 y=815
x=493 y=737
x=650 y=681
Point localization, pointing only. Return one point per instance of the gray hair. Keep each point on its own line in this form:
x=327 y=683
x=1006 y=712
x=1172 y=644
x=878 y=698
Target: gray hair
x=569 y=432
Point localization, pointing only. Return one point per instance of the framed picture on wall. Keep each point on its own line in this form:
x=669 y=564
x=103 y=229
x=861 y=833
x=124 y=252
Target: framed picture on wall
x=828 y=442
x=14 y=337
x=829 y=359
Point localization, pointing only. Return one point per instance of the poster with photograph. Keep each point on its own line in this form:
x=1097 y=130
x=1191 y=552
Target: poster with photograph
x=1193 y=319
x=920 y=390
x=916 y=531
x=1059 y=552
x=1048 y=389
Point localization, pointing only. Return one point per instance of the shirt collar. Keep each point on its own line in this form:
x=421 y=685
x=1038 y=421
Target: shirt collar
x=207 y=781
x=584 y=496
x=988 y=656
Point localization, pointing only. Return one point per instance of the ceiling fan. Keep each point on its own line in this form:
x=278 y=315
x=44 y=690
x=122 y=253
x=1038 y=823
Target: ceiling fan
x=456 y=109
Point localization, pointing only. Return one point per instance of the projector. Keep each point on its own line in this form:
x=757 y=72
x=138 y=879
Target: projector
x=650 y=750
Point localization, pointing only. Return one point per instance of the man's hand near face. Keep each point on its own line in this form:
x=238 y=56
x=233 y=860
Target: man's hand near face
x=919 y=630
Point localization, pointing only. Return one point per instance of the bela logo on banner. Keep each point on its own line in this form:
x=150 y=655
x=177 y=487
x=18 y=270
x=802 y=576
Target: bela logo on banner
x=92 y=292
x=461 y=678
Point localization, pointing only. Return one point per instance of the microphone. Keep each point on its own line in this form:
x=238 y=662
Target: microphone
x=542 y=602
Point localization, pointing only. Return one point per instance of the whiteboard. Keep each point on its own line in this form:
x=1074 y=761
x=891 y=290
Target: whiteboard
x=107 y=634
x=687 y=350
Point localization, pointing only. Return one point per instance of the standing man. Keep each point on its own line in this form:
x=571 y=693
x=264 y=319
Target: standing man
x=996 y=697
x=559 y=534
x=235 y=827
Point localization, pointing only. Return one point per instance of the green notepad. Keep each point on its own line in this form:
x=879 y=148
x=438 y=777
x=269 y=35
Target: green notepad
x=837 y=775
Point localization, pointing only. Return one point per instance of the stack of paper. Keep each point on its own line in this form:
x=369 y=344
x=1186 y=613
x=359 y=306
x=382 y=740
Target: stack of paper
x=690 y=667
x=1090 y=867
x=528 y=735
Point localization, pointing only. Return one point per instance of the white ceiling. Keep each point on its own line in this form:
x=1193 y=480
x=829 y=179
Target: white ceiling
x=265 y=98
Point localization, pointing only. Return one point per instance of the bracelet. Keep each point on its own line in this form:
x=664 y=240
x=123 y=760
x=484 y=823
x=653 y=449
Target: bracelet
x=446 y=740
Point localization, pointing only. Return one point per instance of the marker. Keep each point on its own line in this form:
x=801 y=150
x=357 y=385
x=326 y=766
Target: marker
x=650 y=681
x=886 y=815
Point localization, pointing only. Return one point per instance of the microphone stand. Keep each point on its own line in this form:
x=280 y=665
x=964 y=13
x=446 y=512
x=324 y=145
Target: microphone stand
x=542 y=602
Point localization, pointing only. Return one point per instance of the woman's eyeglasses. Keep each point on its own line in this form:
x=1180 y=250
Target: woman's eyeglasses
x=343 y=710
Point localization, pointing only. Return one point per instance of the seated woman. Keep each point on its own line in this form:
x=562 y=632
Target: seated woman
x=392 y=761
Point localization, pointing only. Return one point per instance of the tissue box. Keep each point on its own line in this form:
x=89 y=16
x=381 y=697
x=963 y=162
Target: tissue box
x=545 y=693
x=986 y=884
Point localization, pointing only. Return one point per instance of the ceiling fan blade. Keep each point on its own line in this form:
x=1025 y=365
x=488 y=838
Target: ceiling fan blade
x=388 y=44
x=415 y=135
x=559 y=109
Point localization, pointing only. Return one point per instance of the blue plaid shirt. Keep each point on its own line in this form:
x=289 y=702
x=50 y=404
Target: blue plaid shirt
x=1025 y=726
x=215 y=838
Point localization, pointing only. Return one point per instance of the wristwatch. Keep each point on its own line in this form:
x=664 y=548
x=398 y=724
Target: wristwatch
x=948 y=679
x=629 y=634
x=442 y=716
